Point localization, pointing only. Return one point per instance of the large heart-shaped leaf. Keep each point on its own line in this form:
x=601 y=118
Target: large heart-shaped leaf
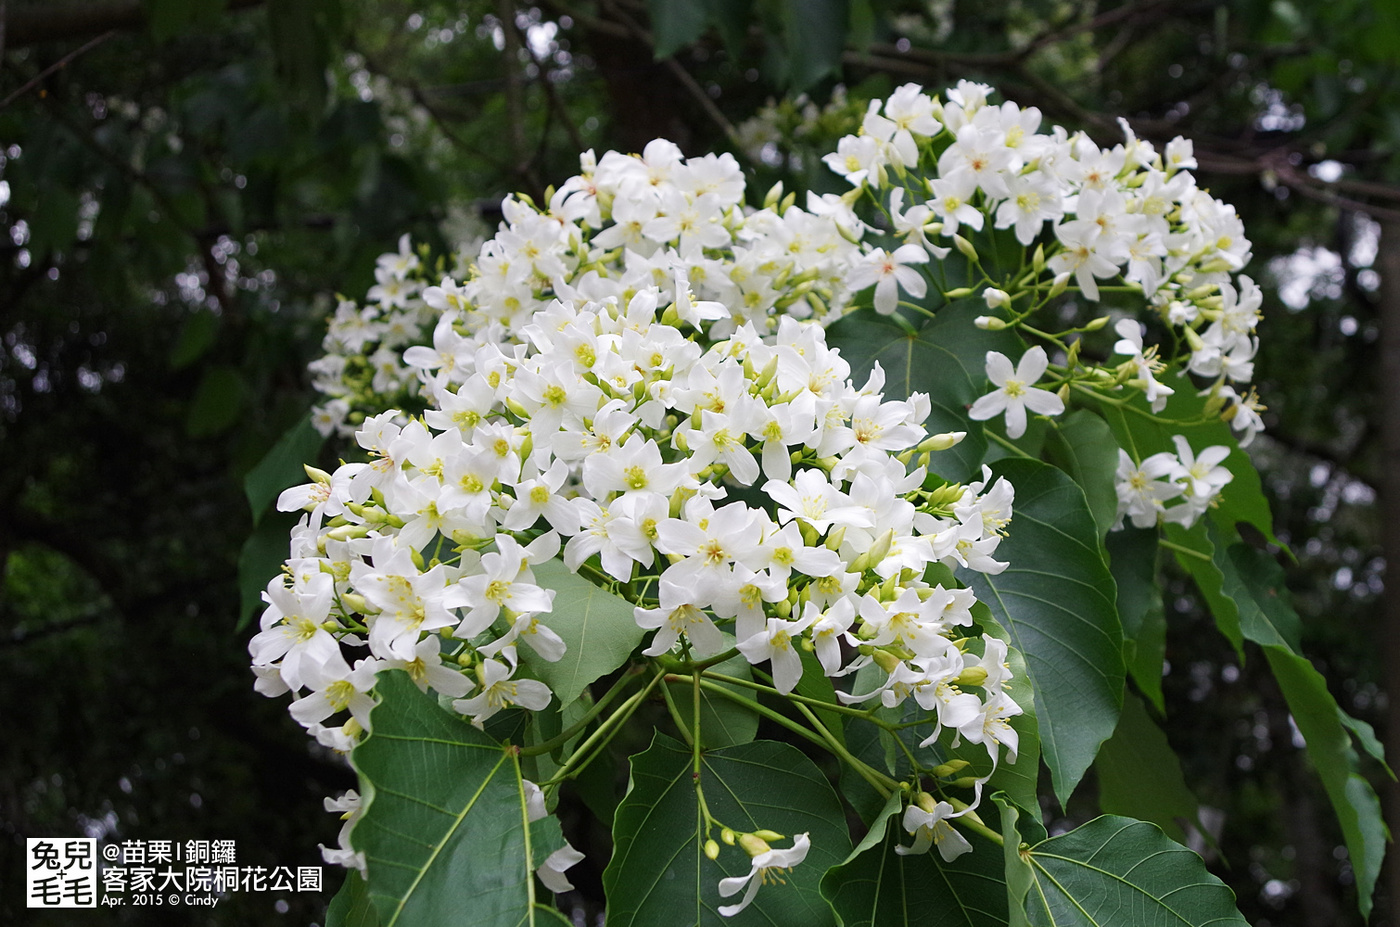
x=1056 y=601
x=659 y=874
x=445 y=824
x=1116 y=871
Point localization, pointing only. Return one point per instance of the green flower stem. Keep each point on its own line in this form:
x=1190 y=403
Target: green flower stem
x=800 y=699
x=717 y=658
x=976 y=826
x=878 y=782
x=824 y=739
x=598 y=708
x=1169 y=545
x=681 y=724
x=1008 y=445
x=599 y=738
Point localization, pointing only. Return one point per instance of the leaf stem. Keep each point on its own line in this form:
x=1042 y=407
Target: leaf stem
x=1008 y=445
x=1181 y=549
x=599 y=738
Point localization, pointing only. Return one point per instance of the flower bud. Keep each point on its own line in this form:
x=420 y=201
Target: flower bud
x=319 y=476
x=1038 y=260
x=753 y=844
x=996 y=299
x=727 y=836
x=926 y=802
x=768 y=835
x=835 y=538
x=961 y=292
x=1060 y=285
x=787 y=202
x=885 y=660
x=950 y=768
x=972 y=676
x=989 y=323
x=1096 y=324
x=941 y=442
x=1193 y=338
x=774 y=194
x=712 y=848
x=965 y=247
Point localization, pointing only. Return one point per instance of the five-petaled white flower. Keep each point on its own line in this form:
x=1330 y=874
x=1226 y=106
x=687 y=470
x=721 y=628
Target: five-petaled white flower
x=1014 y=393
x=764 y=867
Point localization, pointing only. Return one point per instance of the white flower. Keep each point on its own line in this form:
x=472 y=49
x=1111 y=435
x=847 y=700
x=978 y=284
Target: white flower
x=930 y=828
x=890 y=273
x=1014 y=394
x=762 y=868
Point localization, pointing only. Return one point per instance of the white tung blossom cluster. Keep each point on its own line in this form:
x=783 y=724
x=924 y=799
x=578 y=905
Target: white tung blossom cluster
x=609 y=434
x=635 y=378
x=1126 y=213
x=625 y=223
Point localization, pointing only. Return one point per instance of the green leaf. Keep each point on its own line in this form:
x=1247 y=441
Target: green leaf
x=217 y=401
x=675 y=25
x=1056 y=601
x=945 y=358
x=196 y=337
x=1329 y=747
x=597 y=627
x=438 y=793
x=1133 y=555
x=1082 y=445
x=815 y=36
x=877 y=886
x=1117 y=871
x=659 y=875
x=732 y=18
x=282 y=467
x=351 y=906
x=1197 y=555
x=1019 y=877
x=1254 y=581
x=1140 y=776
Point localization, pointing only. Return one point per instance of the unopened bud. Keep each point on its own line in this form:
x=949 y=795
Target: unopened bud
x=787 y=202
x=961 y=292
x=966 y=782
x=355 y=602
x=712 y=848
x=753 y=844
x=727 y=836
x=1060 y=285
x=989 y=323
x=885 y=660
x=950 y=768
x=926 y=802
x=1038 y=260
x=774 y=194
x=941 y=442
x=835 y=538
x=965 y=247
x=1217 y=266
x=972 y=676
x=1096 y=324
x=996 y=299
x=1063 y=394
x=319 y=476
